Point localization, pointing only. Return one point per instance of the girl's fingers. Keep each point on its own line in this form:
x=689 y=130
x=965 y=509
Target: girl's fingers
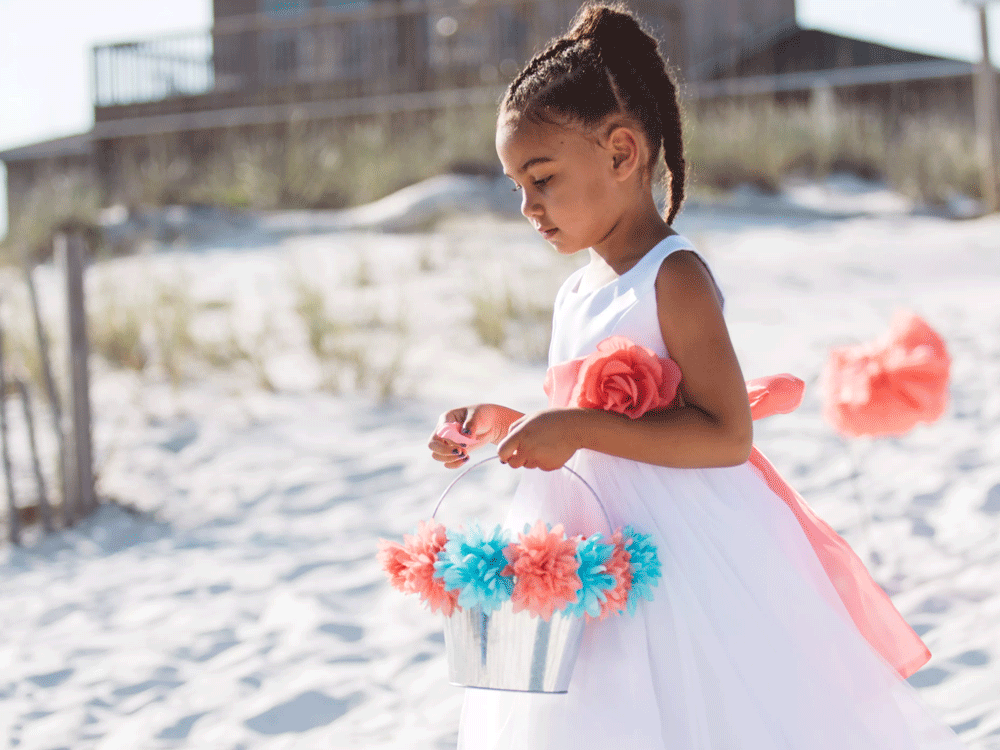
x=440 y=445
x=451 y=455
x=453 y=462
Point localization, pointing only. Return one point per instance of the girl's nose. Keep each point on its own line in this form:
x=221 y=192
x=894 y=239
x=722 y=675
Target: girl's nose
x=529 y=206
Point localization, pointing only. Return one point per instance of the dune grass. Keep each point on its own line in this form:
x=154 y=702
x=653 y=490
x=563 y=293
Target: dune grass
x=313 y=165
x=307 y=164
x=512 y=323
x=925 y=158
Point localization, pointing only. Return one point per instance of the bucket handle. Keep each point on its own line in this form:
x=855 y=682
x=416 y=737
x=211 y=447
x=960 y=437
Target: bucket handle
x=490 y=458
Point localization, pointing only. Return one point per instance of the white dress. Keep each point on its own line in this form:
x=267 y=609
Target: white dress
x=746 y=646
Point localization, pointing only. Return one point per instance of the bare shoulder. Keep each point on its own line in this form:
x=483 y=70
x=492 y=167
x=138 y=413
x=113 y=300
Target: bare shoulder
x=697 y=339
x=683 y=282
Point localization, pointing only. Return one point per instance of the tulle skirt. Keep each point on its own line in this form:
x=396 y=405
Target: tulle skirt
x=746 y=646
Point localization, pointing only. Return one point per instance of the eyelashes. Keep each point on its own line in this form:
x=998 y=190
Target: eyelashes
x=536 y=183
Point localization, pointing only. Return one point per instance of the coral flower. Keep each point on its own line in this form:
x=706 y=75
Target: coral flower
x=544 y=564
x=625 y=378
x=410 y=566
x=618 y=567
x=886 y=387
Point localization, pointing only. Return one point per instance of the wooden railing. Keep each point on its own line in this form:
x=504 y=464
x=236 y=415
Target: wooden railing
x=381 y=48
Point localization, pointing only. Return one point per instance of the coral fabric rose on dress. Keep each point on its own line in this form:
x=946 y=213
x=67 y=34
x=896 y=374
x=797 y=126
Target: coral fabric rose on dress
x=625 y=378
x=886 y=387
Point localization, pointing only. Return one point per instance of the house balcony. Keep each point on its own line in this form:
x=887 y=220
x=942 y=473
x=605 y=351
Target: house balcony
x=324 y=63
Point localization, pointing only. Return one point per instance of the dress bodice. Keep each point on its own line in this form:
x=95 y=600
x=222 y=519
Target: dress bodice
x=625 y=306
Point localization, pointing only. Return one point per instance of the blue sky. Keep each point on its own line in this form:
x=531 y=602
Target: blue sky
x=44 y=66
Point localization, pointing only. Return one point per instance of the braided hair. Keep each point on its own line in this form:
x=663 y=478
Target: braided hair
x=606 y=64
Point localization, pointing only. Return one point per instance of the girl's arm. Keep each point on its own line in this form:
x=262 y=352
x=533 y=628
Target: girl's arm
x=714 y=427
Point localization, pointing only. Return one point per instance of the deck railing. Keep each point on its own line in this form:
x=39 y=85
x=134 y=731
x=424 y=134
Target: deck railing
x=131 y=72
x=419 y=45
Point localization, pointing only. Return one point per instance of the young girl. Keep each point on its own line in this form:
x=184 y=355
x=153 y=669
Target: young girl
x=765 y=632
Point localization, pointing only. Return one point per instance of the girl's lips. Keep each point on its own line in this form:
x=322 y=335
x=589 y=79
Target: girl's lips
x=546 y=233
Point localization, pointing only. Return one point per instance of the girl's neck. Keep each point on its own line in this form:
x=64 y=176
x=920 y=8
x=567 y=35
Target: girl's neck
x=633 y=235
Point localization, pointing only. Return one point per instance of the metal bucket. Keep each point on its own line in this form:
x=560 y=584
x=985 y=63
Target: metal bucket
x=504 y=650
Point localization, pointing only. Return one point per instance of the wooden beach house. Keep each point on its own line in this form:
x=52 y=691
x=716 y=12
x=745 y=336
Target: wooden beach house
x=265 y=62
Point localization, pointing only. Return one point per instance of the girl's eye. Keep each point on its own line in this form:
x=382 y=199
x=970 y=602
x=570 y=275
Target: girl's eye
x=536 y=183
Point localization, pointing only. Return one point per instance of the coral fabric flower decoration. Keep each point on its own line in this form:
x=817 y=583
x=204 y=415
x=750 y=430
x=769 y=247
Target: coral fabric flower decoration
x=626 y=378
x=410 y=566
x=544 y=565
x=616 y=598
x=886 y=387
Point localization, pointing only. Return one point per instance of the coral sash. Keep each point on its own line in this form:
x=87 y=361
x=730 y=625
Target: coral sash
x=870 y=608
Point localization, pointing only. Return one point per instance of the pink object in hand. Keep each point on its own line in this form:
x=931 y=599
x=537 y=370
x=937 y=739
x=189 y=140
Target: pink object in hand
x=453 y=431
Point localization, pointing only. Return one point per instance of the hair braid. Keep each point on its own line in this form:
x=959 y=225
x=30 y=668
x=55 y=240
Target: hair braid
x=605 y=65
x=673 y=144
x=554 y=48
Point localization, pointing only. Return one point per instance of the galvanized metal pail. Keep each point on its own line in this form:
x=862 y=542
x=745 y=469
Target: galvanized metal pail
x=504 y=650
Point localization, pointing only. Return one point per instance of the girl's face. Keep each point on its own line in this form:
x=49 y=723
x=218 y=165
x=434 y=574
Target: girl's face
x=566 y=181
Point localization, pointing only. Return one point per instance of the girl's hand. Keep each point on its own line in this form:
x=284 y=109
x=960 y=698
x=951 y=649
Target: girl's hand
x=483 y=423
x=544 y=440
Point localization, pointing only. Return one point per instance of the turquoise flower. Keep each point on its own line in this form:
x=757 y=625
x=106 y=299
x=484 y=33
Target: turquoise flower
x=592 y=555
x=645 y=567
x=472 y=562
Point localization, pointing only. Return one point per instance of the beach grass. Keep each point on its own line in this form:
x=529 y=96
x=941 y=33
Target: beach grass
x=306 y=164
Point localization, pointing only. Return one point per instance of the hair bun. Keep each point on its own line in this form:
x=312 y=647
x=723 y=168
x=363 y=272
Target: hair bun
x=612 y=27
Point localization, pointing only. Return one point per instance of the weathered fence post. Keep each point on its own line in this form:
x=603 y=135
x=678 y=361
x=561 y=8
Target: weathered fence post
x=79 y=351
x=43 y=495
x=987 y=119
x=14 y=521
x=71 y=490
x=80 y=474
x=55 y=404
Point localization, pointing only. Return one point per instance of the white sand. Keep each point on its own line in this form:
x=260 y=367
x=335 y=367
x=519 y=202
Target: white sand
x=247 y=611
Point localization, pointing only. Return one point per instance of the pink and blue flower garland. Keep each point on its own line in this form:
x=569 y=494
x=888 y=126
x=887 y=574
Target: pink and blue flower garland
x=543 y=572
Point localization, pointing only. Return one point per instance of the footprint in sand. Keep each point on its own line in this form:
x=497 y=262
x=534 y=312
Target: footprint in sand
x=934 y=605
x=965 y=726
x=208 y=645
x=928 y=677
x=992 y=505
x=304 y=712
x=51 y=679
x=974 y=658
x=344 y=631
x=181 y=729
x=929 y=499
x=922 y=528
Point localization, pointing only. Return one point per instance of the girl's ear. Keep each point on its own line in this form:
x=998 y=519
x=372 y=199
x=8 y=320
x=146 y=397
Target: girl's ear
x=625 y=147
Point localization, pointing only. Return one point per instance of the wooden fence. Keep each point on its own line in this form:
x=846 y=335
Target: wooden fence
x=75 y=496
